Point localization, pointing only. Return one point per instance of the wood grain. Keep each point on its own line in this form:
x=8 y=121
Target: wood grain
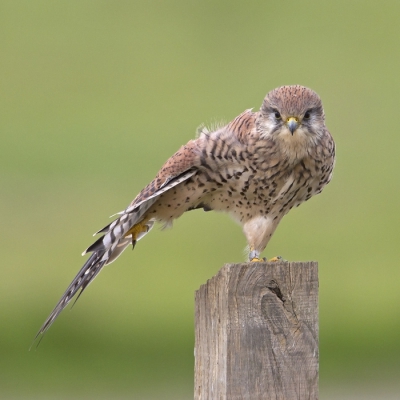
x=257 y=333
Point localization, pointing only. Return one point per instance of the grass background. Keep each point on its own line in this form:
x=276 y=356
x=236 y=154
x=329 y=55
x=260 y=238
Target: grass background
x=96 y=95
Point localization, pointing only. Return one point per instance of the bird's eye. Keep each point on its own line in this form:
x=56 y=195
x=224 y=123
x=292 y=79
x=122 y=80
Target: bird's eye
x=277 y=114
x=307 y=115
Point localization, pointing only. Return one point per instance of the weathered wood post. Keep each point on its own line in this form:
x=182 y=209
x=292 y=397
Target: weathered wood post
x=257 y=333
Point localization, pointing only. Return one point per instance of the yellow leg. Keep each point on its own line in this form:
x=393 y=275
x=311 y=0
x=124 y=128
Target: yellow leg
x=275 y=259
x=137 y=229
x=254 y=256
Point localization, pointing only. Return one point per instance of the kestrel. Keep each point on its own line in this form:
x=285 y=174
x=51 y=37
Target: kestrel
x=256 y=168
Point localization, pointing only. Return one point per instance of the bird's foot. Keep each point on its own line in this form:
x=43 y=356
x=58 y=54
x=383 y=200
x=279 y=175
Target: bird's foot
x=273 y=259
x=256 y=259
x=137 y=231
x=254 y=256
x=276 y=259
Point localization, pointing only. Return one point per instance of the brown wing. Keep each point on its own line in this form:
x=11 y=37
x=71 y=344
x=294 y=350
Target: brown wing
x=174 y=171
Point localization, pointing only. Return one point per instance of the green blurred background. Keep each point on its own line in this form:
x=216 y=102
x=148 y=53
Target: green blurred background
x=96 y=95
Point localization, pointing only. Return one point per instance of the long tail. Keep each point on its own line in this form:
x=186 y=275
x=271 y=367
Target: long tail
x=117 y=236
x=104 y=251
x=87 y=273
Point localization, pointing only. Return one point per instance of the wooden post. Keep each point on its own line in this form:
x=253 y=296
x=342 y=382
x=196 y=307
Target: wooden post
x=257 y=333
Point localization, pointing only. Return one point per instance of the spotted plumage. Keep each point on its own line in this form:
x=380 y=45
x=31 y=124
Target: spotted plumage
x=256 y=168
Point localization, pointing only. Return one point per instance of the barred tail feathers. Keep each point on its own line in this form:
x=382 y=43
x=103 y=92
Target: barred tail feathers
x=109 y=247
x=104 y=251
x=88 y=272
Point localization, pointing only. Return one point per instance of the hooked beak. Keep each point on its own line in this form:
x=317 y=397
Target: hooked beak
x=292 y=124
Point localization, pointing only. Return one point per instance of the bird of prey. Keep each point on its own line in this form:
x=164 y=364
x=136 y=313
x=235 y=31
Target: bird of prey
x=255 y=168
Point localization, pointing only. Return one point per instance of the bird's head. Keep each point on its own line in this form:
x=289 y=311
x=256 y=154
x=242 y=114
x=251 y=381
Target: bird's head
x=292 y=115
